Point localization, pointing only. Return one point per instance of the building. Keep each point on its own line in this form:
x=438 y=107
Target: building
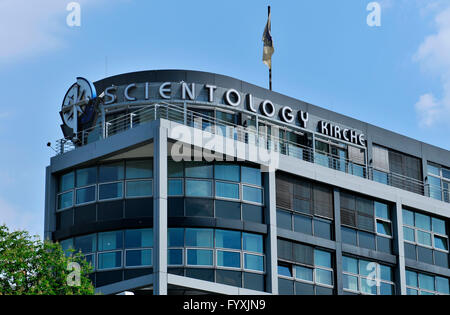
x=182 y=182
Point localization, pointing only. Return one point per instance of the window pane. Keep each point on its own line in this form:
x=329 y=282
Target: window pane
x=382 y=210
x=199 y=207
x=408 y=217
x=284 y=271
x=386 y=273
x=411 y=279
x=175 y=257
x=423 y=221
x=86 y=244
x=251 y=175
x=366 y=267
x=439 y=226
x=386 y=289
x=139 y=238
x=200 y=257
x=228 y=259
x=350 y=265
x=110 y=260
x=426 y=282
x=424 y=238
x=227 y=172
x=175 y=169
x=140 y=189
x=446 y=173
x=441 y=243
x=85 y=195
x=442 y=285
x=322 y=229
x=139 y=169
x=86 y=176
x=253 y=262
x=411 y=291
x=252 y=213
x=384 y=228
x=303 y=224
x=111 y=172
x=198 y=170
x=304 y=289
x=304 y=273
x=435 y=170
x=198 y=188
x=228 y=239
x=322 y=258
x=110 y=241
x=175 y=187
x=228 y=210
x=176 y=237
x=252 y=194
x=66 y=245
x=350 y=282
x=349 y=236
x=253 y=242
x=408 y=234
x=66 y=182
x=284 y=220
x=199 y=238
x=136 y=258
x=65 y=200
x=324 y=277
x=366 y=240
x=227 y=190
x=110 y=191
x=368 y=286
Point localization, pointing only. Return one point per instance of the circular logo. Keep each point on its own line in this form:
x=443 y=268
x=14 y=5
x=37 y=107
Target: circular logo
x=77 y=106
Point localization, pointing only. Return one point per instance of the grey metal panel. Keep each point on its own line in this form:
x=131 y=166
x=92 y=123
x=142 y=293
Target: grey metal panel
x=420 y=266
x=367 y=253
x=306 y=239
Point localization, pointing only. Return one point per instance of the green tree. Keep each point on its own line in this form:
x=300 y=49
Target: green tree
x=29 y=266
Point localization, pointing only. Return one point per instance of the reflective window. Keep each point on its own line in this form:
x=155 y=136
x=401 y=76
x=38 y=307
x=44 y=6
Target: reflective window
x=252 y=194
x=138 y=258
x=175 y=187
x=175 y=169
x=228 y=239
x=199 y=237
x=199 y=257
x=110 y=191
x=109 y=260
x=85 y=195
x=110 y=241
x=227 y=190
x=251 y=176
x=253 y=262
x=66 y=182
x=198 y=170
x=175 y=237
x=65 y=200
x=175 y=257
x=198 y=188
x=139 y=238
x=253 y=242
x=228 y=259
x=143 y=188
x=86 y=176
x=227 y=172
x=139 y=169
x=111 y=172
x=86 y=244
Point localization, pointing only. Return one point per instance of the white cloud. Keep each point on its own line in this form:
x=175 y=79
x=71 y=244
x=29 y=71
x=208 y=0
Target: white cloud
x=434 y=57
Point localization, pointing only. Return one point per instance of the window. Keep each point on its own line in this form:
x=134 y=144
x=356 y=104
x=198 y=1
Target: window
x=366 y=277
x=426 y=238
x=110 y=191
x=198 y=188
x=139 y=238
x=227 y=172
x=175 y=187
x=139 y=169
x=111 y=172
x=228 y=239
x=86 y=176
x=425 y=284
x=251 y=176
x=110 y=241
x=85 y=195
x=198 y=170
x=65 y=200
x=138 y=258
x=66 y=182
x=311 y=272
x=252 y=194
x=227 y=190
x=438 y=182
x=199 y=237
x=252 y=242
x=143 y=188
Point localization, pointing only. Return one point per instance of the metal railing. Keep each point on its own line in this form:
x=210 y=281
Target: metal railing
x=248 y=135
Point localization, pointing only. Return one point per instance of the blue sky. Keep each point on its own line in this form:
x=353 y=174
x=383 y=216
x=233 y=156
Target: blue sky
x=396 y=76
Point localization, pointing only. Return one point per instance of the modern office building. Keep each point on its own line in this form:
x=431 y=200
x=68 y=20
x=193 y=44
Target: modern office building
x=185 y=182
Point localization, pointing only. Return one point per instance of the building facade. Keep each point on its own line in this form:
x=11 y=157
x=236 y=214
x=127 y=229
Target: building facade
x=185 y=182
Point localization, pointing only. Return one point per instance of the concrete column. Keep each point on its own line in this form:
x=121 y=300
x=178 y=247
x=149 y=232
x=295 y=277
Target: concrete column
x=271 y=240
x=160 y=211
x=399 y=248
x=338 y=238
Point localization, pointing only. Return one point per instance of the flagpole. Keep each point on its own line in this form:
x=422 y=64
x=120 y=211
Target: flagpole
x=270 y=68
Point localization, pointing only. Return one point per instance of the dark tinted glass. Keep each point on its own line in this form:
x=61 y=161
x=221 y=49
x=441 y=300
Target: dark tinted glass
x=349 y=236
x=303 y=254
x=252 y=213
x=175 y=207
x=86 y=214
x=201 y=274
x=285 y=287
x=228 y=210
x=425 y=255
x=303 y=224
x=108 y=277
x=284 y=249
x=139 y=208
x=366 y=240
x=64 y=219
x=199 y=207
x=322 y=229
x=284 y=220
x=111 y=172
x=410 y=251
x=253 y=281
x=110 y=210
x=228 y=277
x=304 y=289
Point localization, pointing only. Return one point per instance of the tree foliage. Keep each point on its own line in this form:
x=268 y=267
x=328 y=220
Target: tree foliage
x=29 y=266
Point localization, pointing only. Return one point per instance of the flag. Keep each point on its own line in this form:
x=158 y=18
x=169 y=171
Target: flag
x=268 y=44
